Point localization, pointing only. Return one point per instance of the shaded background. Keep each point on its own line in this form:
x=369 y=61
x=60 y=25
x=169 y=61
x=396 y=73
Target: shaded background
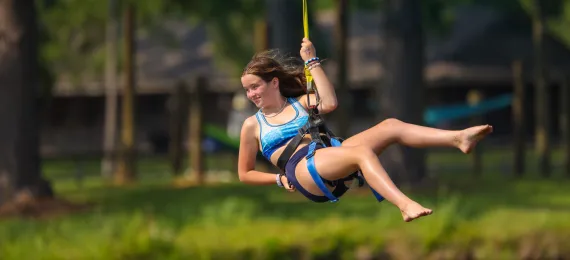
x=121 y=119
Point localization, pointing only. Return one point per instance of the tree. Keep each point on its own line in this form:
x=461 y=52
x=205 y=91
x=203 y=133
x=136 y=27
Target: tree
x=109 y=143
x=20 y=172
x=542 y=95
x=341 y=43
x=126 y=168
x=285 y=25
x=401 y=94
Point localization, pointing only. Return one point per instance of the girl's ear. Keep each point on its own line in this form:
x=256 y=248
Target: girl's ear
x=275 y=82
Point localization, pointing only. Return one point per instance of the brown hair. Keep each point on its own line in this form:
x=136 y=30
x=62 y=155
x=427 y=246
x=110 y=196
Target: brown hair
x=289 y=71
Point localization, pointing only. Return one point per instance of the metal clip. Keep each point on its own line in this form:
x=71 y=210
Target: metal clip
x=310 y=86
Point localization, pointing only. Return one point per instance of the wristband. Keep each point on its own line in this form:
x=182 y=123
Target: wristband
x=278 y=180
x=311 y=60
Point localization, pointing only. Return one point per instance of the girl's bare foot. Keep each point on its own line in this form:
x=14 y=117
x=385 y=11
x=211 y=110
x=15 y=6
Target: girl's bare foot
x=413 y=210
x=468 y=138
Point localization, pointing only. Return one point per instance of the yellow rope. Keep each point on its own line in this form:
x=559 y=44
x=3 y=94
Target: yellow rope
x=305 y=19
x=308 y=75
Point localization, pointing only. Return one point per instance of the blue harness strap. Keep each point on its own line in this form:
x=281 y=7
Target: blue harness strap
x=316 y=177
x=376 y=194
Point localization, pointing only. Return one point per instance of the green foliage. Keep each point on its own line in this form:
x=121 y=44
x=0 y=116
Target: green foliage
x=560 y=25
x=75 y=31
x=153 y=221
x=551 y=8
x=556 y=13
x=370 y=5
x=495 y=217
x=438 y=15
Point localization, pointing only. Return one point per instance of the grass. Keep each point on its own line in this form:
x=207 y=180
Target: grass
x=481 y=217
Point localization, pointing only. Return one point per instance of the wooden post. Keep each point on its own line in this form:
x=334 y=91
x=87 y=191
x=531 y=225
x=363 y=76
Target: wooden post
x=260 y=34
x=178 y=107
x=542 y=97
x=473 y=98
x=565 y=121
x=126 y=171
x=111 y=97
x=195 y=135
x=519 y=125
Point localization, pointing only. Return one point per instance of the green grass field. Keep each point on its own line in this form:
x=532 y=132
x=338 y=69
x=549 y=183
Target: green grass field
x=489 y=216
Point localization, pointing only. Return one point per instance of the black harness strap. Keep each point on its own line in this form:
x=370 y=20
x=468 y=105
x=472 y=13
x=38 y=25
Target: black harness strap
x=312 y=127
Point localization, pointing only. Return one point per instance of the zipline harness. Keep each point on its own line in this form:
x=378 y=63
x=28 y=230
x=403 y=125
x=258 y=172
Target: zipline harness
x=320 y=134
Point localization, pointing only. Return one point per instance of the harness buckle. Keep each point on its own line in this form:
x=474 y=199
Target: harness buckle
x=311 y=151
x=309 y=155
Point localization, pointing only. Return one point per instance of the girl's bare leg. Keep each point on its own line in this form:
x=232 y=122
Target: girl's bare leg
x=337 y=162
x=392 y=131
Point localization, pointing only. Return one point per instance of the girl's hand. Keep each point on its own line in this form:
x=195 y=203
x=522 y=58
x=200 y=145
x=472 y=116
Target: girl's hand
x=307 y=50
x=286 y=184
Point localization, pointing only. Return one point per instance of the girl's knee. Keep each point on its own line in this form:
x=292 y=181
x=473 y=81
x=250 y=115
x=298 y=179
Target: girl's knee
x=363 y=152
x=390 y=129
x=390 y=122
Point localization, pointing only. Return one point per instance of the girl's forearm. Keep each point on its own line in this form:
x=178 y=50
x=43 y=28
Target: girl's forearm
x=258 y=178
x=326 y=89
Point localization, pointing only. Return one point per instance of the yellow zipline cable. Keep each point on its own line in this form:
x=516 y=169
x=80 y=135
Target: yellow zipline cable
x=308 y=75
x=305 y=19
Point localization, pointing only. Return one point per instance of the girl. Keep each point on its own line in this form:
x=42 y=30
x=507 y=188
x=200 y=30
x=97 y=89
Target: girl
x=278 y=89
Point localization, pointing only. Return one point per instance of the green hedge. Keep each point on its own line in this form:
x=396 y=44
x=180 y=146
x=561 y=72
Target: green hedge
x=231 y=229
x=489 y=217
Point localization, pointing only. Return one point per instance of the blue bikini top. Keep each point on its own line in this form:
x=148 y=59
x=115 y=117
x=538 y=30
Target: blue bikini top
x=274 y=136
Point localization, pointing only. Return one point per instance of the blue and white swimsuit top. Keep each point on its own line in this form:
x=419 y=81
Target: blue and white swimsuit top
x=274 y=136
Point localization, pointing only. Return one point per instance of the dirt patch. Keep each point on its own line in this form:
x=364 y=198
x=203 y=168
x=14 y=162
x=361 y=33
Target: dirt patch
x=26 y=206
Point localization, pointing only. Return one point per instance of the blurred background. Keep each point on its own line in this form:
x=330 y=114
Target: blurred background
x=120 y=124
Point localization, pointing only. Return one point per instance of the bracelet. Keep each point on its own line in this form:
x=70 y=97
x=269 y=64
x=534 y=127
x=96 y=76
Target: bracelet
x=278 y=180
x=311 y=60
x=314 y=65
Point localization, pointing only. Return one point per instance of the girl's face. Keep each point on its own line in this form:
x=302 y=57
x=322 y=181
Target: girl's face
x=261 y=93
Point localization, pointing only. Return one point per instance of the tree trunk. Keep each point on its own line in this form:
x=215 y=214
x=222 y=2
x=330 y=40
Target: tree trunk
x=109 y=138
x=542 y=134
x=195 y=130
x=565 y=123
x=285 y=23
x=126 y=171
x=344 y=94
x=260 y=34
x=178 y=107
x=402 y=92
x=19 y=134
x=519 y=119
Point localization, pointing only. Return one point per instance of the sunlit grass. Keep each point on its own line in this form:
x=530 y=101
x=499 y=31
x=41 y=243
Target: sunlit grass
x=485 y=216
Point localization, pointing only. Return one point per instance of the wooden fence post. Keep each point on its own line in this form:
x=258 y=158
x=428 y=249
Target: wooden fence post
x=565 y=121
x=196 y=160
x=519 y=124
x=178 y=107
